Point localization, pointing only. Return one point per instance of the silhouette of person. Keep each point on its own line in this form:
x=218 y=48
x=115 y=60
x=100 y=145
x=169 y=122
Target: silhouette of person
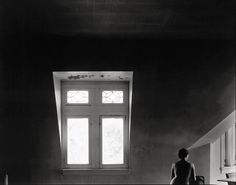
x=183 y=172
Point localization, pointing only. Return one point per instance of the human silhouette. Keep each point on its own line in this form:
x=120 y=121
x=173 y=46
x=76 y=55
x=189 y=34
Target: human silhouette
x=183 y=172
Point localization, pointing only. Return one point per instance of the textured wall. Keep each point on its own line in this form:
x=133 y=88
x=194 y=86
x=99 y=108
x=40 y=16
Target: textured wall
x=182 y=88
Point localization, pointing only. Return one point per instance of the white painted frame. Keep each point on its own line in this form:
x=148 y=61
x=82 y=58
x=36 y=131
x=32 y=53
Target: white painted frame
x=64 y=144
x=223 y=142
x=97 y=76
x=126 y=146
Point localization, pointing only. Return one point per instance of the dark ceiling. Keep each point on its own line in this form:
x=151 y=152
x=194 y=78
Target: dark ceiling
x=149 y=18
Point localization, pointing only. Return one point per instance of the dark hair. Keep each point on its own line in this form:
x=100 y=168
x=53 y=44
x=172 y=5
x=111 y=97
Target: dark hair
x=183 y=153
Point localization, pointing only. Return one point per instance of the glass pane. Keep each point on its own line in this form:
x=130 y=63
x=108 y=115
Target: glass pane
x=77 y=97
x=112 y=141
x=77 y=141
x=112 y=97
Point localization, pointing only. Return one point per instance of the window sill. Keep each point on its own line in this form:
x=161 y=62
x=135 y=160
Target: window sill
x=95 y=171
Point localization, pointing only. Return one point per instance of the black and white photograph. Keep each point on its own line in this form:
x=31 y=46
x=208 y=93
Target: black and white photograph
x=117 y=92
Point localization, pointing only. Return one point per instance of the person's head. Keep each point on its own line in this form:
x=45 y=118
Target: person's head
x=183 y=153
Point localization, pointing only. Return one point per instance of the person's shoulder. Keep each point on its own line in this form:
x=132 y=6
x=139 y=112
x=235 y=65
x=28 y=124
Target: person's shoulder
x=173 y=164
x=192 y=164
x=179 y=163
x=189 y=163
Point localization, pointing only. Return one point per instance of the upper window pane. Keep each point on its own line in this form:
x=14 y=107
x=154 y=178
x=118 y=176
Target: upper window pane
x=112 y=141
x=77 y=96
x=112 y=97
x=77 y=141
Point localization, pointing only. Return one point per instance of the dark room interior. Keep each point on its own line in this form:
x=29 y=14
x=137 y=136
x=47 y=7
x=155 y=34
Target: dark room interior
x=181 y=53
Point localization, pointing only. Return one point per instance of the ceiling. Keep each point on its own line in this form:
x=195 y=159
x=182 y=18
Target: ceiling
x=149 y=18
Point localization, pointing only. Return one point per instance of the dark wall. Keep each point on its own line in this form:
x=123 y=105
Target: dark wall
x=182 y=88
x=162 y=18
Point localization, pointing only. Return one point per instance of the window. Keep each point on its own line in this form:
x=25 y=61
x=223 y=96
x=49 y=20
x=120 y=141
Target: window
x=94 y=119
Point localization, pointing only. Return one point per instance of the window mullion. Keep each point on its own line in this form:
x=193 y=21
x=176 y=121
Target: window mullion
x=96 y=142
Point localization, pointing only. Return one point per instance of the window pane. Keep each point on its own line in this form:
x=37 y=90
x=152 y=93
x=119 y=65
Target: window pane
x=112 y=141
x=77 y=97
x=77 y=141
x=112 y=97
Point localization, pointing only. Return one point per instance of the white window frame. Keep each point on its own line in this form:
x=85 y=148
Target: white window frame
x=71 y=111
x=228 y=150
x=64 y=144
x=125 y=132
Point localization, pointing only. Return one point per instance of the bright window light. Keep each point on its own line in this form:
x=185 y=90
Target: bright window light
x=78 y=141
x=112 y=141
x=77 y=97
x=112 y=97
